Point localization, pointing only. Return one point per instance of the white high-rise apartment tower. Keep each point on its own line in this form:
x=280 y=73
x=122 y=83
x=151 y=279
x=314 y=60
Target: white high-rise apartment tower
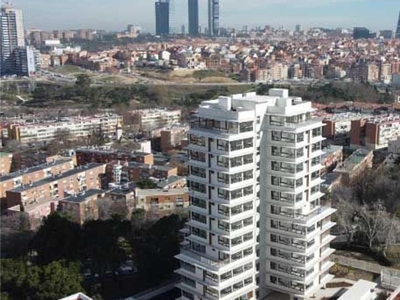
x=256 y=224
x=11 y=37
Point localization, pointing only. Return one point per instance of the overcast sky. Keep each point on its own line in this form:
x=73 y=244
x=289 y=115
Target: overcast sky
x=116 y=14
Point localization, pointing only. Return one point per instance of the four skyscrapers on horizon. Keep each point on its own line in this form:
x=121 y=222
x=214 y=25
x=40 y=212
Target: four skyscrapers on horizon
x=162 y=9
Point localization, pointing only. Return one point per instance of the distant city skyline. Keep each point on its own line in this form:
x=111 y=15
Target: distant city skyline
x=105 y=14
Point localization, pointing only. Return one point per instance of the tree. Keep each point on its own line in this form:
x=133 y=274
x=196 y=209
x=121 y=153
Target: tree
x=58 y=238
x=83 y=81
x=146 y=184
x=104 y=244
x=156 y=249
x=21 y=280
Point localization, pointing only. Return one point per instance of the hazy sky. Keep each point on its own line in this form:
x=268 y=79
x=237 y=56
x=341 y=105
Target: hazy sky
x=116 y=14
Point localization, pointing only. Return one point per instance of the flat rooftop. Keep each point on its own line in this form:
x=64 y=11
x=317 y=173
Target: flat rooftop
x=33 y=169
x=160 y=192
x=83 y=196
x=352 y=161
x=57 y=177
x=359 y=290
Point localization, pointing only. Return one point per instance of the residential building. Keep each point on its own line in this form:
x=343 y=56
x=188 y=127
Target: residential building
x=82 y=127
x=171 y=138
x=11 y=37
x=5 y=163
x=33 y=213
x=28 y=176
x=333 y=155
x=354 y=165
x=24 y=59
x=255 y=220
x=83 y=206
x=132 y=171
x=106 y=155
x=162 y=17
x=374 y=133
x=362 y=289
x=149 y=119
x=213 y=17
x=57 y=186
x=77 y=296
x=193 y=13
x=360 y=33
x=338 y=127
x=159 y=203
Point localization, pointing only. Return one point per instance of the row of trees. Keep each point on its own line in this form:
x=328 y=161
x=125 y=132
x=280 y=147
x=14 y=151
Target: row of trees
x=368 y=210
x=50 y=264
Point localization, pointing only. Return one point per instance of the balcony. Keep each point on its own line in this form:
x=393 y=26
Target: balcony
x=295 y=126
x=202 y=258
x=320 y=212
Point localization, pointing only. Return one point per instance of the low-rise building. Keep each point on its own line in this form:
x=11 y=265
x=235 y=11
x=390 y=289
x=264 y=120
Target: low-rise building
x=361 y=290
x=133 y=171
x=106 y=155
x=83 y=206
x=171 y=138
x=57 y=186
x=161 y=202
x=375 y=133
x=333 y=155
x=5 y=163
x=29 y=176
x=149 y=119
x=80 y=127
x=356 y=163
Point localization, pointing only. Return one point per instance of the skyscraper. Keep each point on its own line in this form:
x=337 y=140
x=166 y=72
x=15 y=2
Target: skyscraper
x=11 y=37
x=193 y=13
x=255 y=221
x=213 y=17
x=162 y=17
x=397 y=36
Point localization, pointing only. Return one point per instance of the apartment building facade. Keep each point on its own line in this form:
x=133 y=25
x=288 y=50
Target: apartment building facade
x=374 y=133
x=159 y=203
x=83 y=206
x=28 y=176
x=105 y=155
x=107 y=125
x=255 y=223
x=149 y=119
x=57 y=186
x=5 y=163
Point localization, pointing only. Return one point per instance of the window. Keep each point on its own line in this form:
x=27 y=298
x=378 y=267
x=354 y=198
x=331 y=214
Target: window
x=199 y=217
x=199 y=232
x=248 y=143
x=223 y=210
x=223 y=194
x=246 y=126
x=222 y=145
x=199 y=172
x=226 y=276
x=223 y=241
x=198 y=202
x=236 y=145
x=223 y=161
x=222 y=225
x=212 y=276
x=197 y=140
x=223 y=178
x=197 y=187
x=198 y=156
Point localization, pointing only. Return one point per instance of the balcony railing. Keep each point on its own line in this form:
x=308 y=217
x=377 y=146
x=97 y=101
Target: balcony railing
x=202 y=258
